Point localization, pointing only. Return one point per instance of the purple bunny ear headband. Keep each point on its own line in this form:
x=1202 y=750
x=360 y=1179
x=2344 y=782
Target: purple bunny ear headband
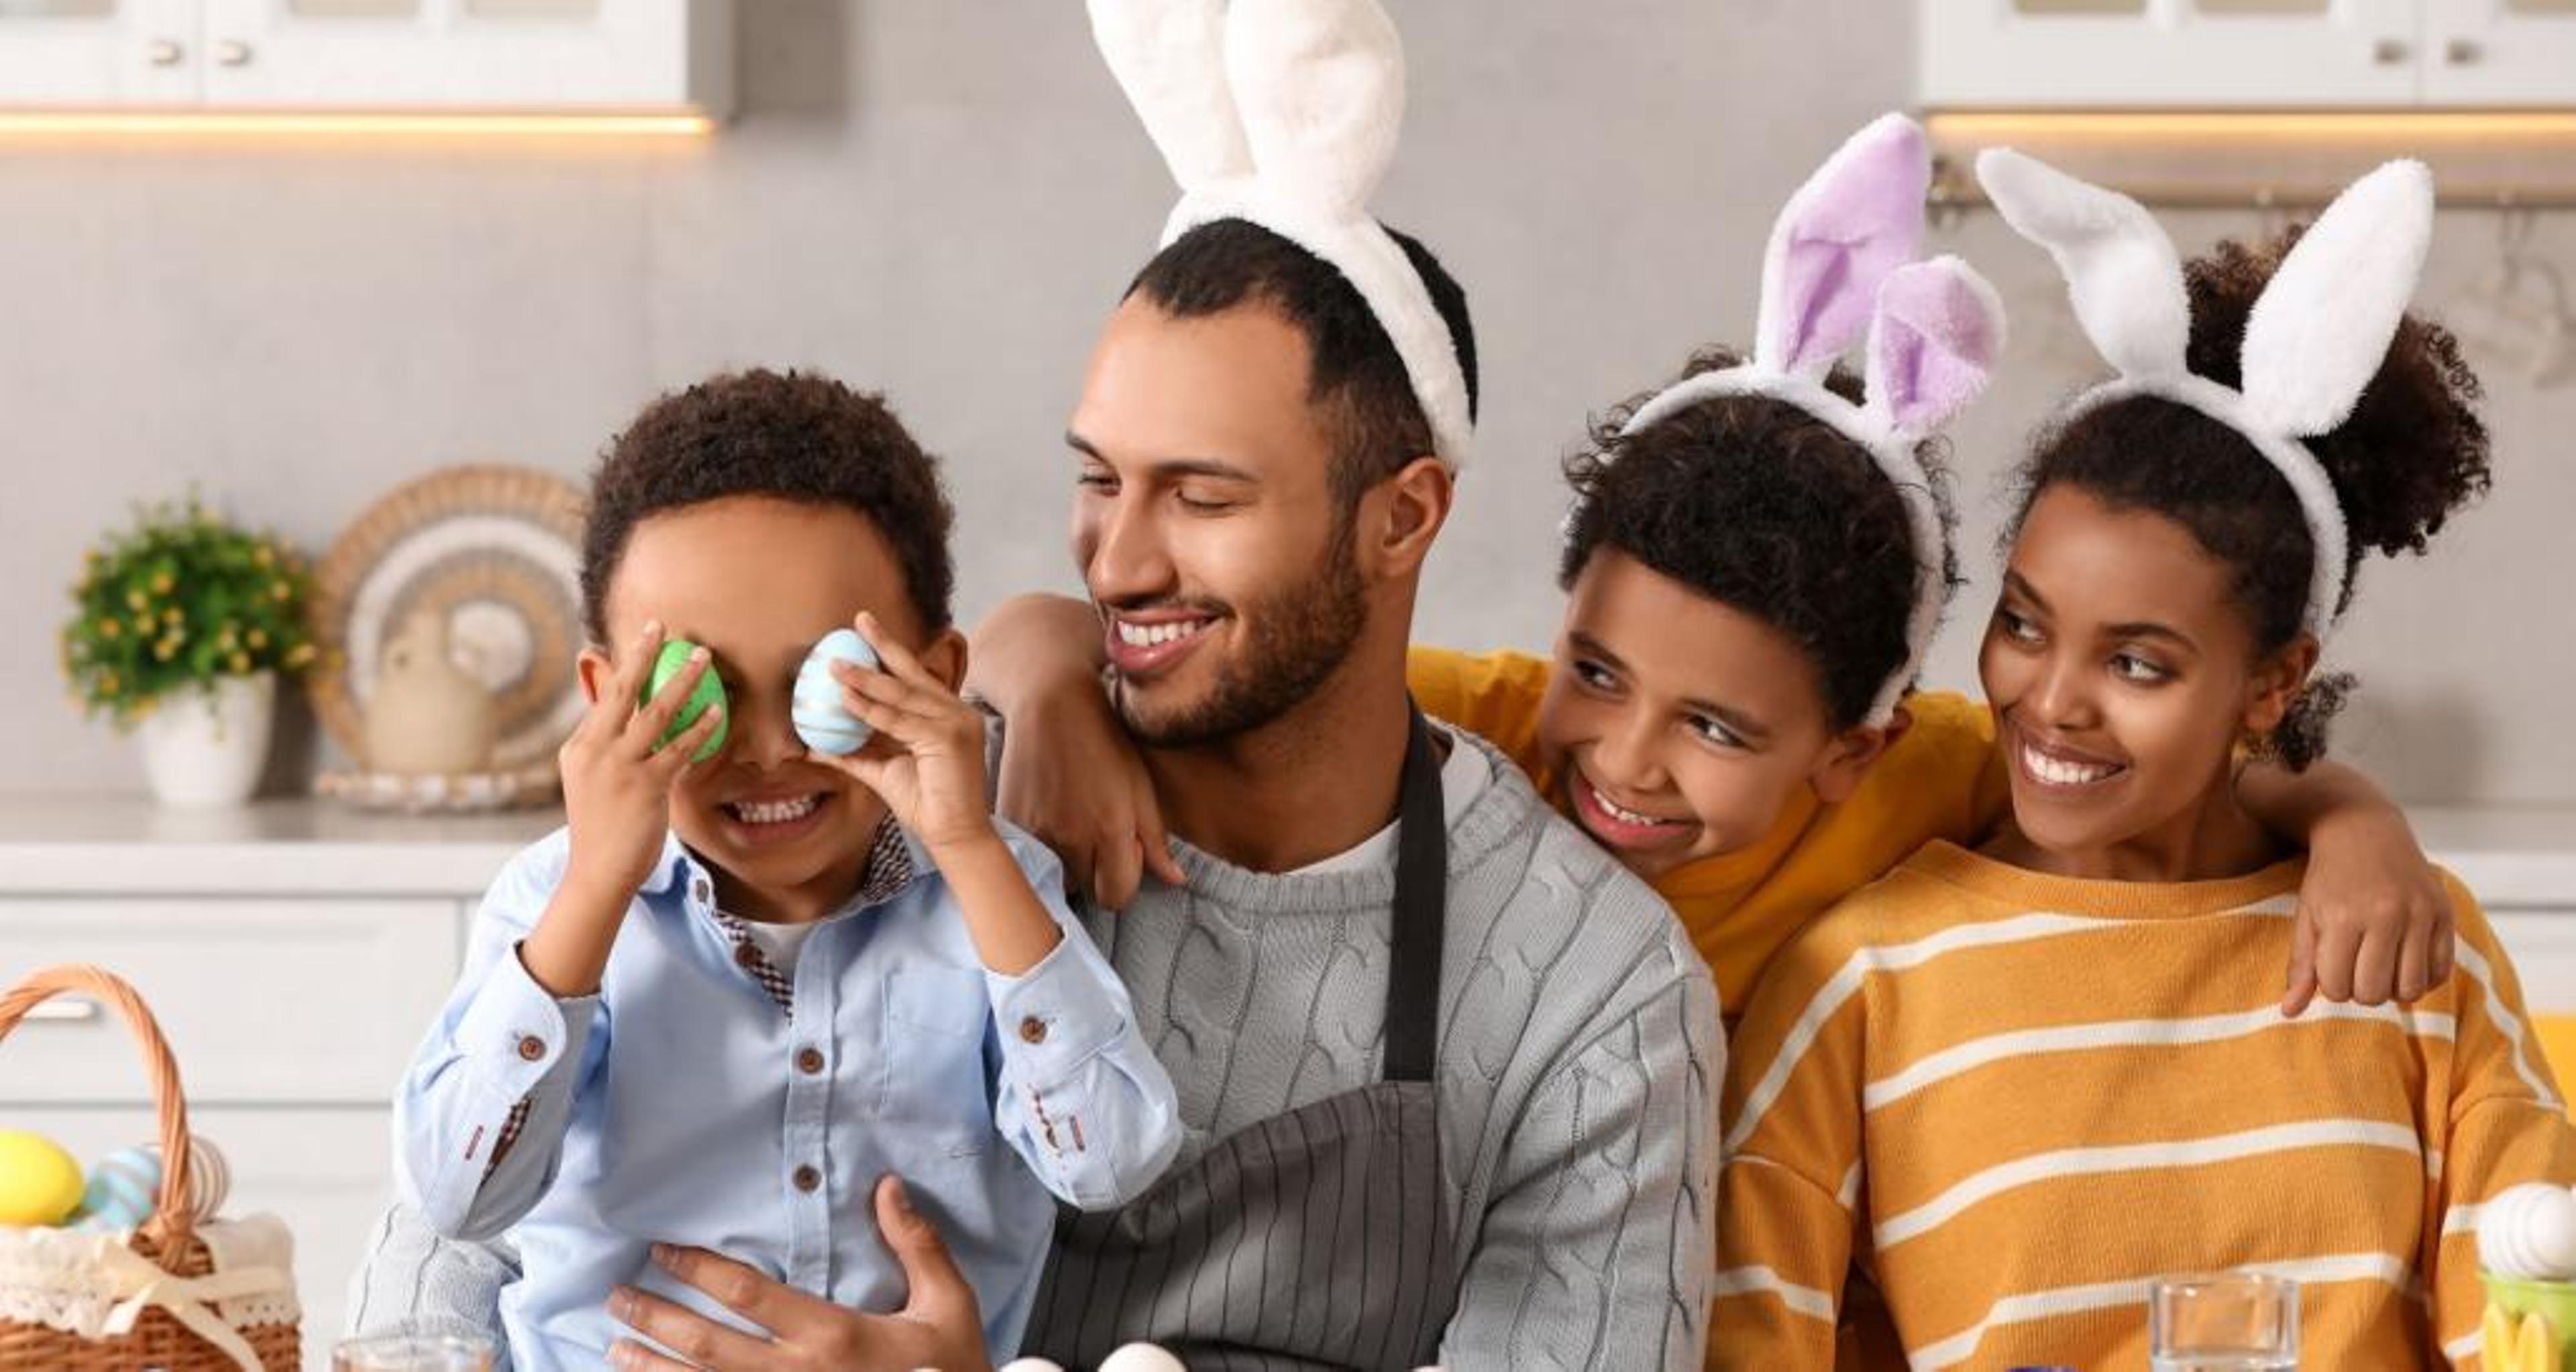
x=1284 y=113
x=2316 y=337
x=1841 y=264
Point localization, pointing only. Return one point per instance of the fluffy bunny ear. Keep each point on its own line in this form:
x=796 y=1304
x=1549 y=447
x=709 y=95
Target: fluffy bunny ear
x=1320 y=85
x=2321 y=329
x=1934 y=344
x=1857 y=219
x=1169 y=56
x=2120 y=268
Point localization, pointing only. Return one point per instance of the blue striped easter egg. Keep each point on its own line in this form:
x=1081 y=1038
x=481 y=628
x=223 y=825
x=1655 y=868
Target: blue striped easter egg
x=121 y=1190
x=820 y=718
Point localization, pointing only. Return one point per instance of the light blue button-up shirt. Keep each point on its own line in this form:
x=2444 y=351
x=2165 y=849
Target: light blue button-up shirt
x=681 y=1103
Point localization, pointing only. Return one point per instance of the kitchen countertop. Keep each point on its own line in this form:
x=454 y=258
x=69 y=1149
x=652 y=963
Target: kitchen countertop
x=2510 y=859
x=127 y=846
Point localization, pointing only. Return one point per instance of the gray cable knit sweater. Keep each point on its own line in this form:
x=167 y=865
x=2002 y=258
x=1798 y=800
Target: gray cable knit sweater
x=1579 y=1055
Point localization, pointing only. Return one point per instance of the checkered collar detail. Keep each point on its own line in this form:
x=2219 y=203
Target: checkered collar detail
x=890 y=869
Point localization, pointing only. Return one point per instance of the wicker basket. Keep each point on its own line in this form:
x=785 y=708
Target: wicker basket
x=74 y=1301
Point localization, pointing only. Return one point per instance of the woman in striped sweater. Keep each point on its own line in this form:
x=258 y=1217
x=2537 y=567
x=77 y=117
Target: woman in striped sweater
x=2015 y=1084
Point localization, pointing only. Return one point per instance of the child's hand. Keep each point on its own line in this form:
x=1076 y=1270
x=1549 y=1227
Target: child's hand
x=933 y=776
x=2374 y=919
x=617 y=785
x=1072 y=778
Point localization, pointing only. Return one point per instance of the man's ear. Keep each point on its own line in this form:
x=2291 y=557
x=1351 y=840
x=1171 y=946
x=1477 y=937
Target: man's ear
x=1400 y=517
x=1849 y=756
x=2275 y=684
x=595 y=670
x=945 y=657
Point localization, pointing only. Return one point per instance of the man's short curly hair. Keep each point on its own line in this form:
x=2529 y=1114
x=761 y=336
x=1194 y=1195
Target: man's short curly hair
x=2412 y=452
x=1759 y=505
x=794 y=436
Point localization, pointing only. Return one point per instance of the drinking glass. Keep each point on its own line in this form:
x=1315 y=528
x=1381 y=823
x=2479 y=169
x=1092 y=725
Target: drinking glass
x=2224 y=1322
x=402 y=1351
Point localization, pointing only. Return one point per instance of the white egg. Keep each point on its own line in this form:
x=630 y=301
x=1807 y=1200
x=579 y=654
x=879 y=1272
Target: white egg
x=1142 y=1357
x=2529 y=1232
x=2549 y=1234
x=2498 y=1232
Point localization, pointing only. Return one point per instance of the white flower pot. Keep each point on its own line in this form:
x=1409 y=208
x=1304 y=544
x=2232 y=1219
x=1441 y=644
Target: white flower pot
x=208 y=748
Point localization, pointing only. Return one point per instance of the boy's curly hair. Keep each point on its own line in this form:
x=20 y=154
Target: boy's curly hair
x=1759 y=505
x=796 y=436
x=2412 y=452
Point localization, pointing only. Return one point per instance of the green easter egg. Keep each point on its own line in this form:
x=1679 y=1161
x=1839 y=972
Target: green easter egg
x=40 y=1184
x=710 y=691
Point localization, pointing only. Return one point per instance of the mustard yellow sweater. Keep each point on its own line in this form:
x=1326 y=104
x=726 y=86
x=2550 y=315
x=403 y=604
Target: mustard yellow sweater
x=2015 y=1099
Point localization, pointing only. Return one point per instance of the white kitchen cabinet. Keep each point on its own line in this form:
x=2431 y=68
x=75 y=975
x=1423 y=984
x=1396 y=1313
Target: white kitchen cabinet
x=2166 y=53
x=369 y=56
x=312 y=1000
x=2245 y=54
x=557 y=55
x=293 y=953
x=2500 y=52
x=99 y=52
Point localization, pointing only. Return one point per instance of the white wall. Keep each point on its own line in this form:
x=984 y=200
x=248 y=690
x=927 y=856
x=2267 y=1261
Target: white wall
x=942 y=200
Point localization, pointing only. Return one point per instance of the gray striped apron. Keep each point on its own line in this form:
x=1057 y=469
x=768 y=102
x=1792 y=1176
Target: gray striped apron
x=1317 y=1238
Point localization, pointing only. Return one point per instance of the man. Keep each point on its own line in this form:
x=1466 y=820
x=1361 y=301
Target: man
x=1444 y=1067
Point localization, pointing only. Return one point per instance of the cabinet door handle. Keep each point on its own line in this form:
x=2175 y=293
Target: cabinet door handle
x=2462 y=52
x=2389 y=52
x=68 y=1010
x=166 y=52
x=233 y=52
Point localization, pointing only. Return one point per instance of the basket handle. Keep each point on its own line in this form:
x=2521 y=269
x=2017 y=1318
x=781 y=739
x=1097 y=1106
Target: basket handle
x=175 y=1217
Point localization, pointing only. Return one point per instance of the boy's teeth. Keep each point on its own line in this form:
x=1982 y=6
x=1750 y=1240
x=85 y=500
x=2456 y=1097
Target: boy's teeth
x=1147 y=635
x=775 y=811
x=1624 y=816
x=2061 y=773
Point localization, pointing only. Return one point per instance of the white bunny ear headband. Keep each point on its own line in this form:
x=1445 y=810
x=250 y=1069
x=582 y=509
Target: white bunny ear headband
x=1284 y=113
x=1841 y=263
x=2315 y=338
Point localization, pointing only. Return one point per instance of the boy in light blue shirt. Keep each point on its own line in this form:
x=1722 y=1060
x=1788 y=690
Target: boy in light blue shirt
x=749 y=979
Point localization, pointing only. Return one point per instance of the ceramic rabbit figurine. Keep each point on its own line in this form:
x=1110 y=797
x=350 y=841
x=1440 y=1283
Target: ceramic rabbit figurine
x=427 y=715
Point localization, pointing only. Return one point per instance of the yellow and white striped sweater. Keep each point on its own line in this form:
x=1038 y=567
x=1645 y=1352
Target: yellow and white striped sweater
x=2017 y=1098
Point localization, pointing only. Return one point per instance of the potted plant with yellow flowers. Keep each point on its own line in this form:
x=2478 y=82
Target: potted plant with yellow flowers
x=184 y=624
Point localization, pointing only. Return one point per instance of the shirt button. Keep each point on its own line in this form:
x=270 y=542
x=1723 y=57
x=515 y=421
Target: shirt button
x=700 y=890
x=1032 y=1029
x=809 y=1061
x=808 y=1180
x=532 y=1048
x=745 y=955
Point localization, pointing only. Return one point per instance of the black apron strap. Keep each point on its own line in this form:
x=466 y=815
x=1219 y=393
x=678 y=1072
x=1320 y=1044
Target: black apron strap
x=1421 y=907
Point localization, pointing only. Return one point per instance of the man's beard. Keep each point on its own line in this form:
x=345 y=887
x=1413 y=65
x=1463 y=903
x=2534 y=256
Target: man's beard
x=1311 y=629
